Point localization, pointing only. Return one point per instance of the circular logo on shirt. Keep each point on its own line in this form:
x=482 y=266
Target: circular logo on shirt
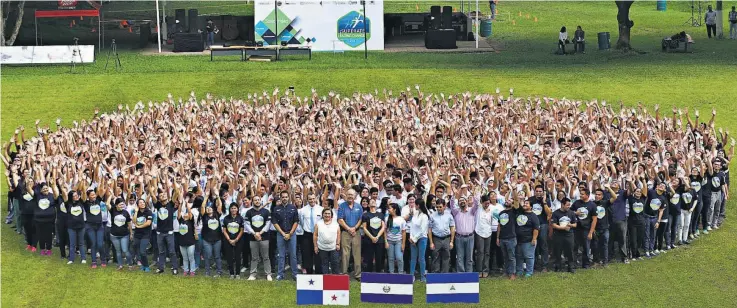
x=703 y=182
x=564 y=221
x=600 y=212
x=537 y=209
x=27 y=197
x=716 y=182
x=62 y=207
x=119 y=220
x=95 y=209
x=655 y=204
x=257 y=221
x=163 y=213
x=44 y=203
x=583 y=213
x=696 y=186
x=213 y=224
x=375 y=223
x=183 y=228
x=140 y=221
x=503 y=219
x=76 y=210
x=522 y=220
x=687 y=197
x=395 y=229
x=233 y=227
x=675 y=198
x=638 y=207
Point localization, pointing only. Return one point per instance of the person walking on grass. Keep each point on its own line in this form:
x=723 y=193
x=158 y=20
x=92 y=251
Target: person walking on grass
x=710 y=18
x=733 y=24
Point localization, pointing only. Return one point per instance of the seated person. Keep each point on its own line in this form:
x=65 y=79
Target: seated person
x=563 y=39
x=672 y=42
x=579 y=43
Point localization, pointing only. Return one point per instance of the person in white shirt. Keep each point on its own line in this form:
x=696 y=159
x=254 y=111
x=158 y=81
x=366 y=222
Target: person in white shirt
x=483 y=232
x=733 y=24
x=418 y=237
x=563 y=40
x=395 y=236
x=710 y=18
x=326 y=240
x=309 y=215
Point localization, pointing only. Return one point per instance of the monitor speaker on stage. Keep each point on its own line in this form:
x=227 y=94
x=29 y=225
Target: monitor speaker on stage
x=447 y=17
x=181 y=16
x=193 y=21
x=440 y=39
x=435 y=17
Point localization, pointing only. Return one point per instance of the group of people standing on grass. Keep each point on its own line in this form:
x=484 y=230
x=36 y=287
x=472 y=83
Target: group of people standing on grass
x=371 y=182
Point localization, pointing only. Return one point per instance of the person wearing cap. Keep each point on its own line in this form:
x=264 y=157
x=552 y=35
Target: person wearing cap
x=465 y=221
x=442 y=236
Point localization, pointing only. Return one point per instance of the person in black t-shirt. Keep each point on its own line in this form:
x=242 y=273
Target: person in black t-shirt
x=44 y=213
x=507 y=237
x=94 y=206
x=187 y=237
x=373 y=230
x=587 y=219
x=211 y=234
x=165 y=230
x=541 y=208
x=603 y=214
x=637 y=219
x=656 y=205
x=718 y=187
x=120 y=232
x=26 y=210
x=564 y=222
x=142 y=218
x=528 y=228
x=232 y=232
x=258 y=223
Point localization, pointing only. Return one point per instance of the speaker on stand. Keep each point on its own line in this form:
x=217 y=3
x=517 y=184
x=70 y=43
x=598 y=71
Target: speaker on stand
x=181 y=16
x=447 y=18
x=435 y=17
x=193 y=21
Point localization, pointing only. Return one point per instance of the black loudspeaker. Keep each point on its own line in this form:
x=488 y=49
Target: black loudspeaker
x=192 y=21
x=188 y=42
x=181 y=15
x=245 y=28
x=447 y=17
x=435 y=17
x=145 y=34
x=229 y=29
x=440 y=39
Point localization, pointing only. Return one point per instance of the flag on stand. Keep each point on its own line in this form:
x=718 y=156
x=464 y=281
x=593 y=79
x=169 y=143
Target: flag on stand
x=323 y=290
x=386 y=288
x=453 y=288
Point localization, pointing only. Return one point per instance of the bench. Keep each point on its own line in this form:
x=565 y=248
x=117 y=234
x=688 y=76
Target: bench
x=226 y=51
x=668 y=44
x=269 y=51
x=295 y=51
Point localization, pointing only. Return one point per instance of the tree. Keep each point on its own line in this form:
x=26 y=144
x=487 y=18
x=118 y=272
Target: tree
x=5 y=13
x=625 y=24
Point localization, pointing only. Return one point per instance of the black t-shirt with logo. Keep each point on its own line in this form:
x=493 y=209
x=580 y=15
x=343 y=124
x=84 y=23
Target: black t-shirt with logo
x=185 y=234
x=675 y=202
x=75 y=219
x=507 y=221
x=637 y=210
x=563 y=219
x=585 y=211
x=655 y=202
x=61 y=212
x=93 y=208
x=526 y=223
x=164 y=217
x=688 y=199
x=233 y=225
x=211 y=229
x=538 y=207
x=697 y=185
x=143 y=216
x=373 y=222
x=258 y=219
x=119 y=222
x=716 y=180
x=45 y=209
x=603 y=211
x=26 y=202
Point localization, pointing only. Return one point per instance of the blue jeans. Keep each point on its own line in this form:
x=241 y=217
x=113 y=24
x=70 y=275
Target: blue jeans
x=165 y=242
x=509 y=249
x=395 y=253
x=121 y=248
x=421 y=245
x=541 y=249
x=140 y=245
x=212 y=250
x=198 y=250
x=76 y=237
x=96 y=234
x=281 y=245
x=650 y=233
x=188 y=258
x=210 y=38
x=526 y=255
x=602 y=245
x=464 y=252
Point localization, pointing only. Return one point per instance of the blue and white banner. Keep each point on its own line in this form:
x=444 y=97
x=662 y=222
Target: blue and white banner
x=386 y=288
x=453 y=288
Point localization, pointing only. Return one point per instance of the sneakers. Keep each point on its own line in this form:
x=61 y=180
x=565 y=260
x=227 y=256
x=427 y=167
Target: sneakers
x=690 y=236
x=243 y=269
x=104 y=265
x=146 y=270
x=70 y=262
x=84 y=261
x=232 y=276
x=120 y=268
x=268 y=278
x=159 y=271
x=191 y=274
x=708 y=229
x=528 y=275
x=252 y=277
x=237 y=277
x=626 y=261
x=186 y=273
x=716 y=227
x=33 y=249
x=94 y=266
x=174 y=272
x=513 y=277
x=647 y=254
x=28 y=247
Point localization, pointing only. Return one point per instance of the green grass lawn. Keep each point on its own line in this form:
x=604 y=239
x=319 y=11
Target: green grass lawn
x=703 y=274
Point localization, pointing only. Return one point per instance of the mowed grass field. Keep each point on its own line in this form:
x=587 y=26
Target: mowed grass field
x=703 y=274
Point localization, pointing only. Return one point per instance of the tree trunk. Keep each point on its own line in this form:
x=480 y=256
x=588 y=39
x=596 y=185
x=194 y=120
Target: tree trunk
x=2 y=25
x=18 y=22
x=625 y=24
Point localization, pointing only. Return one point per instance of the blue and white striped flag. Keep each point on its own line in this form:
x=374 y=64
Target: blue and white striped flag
x=453 y=288
x=386 y=288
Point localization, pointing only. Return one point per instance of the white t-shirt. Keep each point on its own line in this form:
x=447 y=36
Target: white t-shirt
x=394 y=234
x=327 y=235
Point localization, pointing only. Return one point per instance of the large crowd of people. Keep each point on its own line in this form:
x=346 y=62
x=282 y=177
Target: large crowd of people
x=373 y=182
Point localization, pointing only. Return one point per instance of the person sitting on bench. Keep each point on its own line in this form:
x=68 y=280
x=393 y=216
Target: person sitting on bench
x=563 y=40
x=673 y=41
x=579 y=43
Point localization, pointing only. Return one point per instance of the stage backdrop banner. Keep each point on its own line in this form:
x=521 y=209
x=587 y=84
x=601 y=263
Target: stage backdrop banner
x=324 y=25
x=53 y=54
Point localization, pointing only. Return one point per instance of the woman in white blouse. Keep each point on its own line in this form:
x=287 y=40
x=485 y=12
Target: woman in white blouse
x=418 y=237
x=326 y=239
x=563 y=39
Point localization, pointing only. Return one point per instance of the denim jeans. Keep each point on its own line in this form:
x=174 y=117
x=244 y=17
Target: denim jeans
x=76 y=237
x=212 y=250
x=283 y=251
x=16 y=216
x=526 y=255
x=395 y=254
x=464 y=250
x=601 y=244
x=330 y=261
x=210 y=38
x=542 y=245
x=418 y=248
x=650 y=233
x=198 y=250
x=188 y=258
x=582 y=241
x=140 y=245
x=483 y=250
x=509 y=251
x=673 y=225
x=121 y=248
x=165 y=242
x=96 y=234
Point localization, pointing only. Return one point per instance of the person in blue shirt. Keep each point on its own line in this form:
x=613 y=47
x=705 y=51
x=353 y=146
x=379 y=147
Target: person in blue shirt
x=349 y=219
x=286 y=219
x=442 y=231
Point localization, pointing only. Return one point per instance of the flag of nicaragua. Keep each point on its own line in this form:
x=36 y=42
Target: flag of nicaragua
x=453 y=288
x=322 y=290
x=386 y=288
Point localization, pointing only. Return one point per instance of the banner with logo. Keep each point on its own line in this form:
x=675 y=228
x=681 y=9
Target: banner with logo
x=54 y=54
x=324 y=25
x=67 y=4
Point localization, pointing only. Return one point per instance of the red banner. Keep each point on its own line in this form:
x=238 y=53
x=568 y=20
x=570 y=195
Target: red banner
x=68 y=13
